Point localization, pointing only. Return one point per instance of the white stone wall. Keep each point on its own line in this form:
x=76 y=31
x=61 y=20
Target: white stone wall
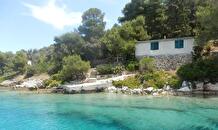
x=166 y=47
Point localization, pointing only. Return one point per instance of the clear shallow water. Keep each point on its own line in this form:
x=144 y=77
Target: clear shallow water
x=105 y=112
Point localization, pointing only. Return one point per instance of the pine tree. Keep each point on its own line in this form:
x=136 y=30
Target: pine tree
x=178 y=24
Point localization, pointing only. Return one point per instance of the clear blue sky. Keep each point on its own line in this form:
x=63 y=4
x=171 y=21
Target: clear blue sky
x=29 y=24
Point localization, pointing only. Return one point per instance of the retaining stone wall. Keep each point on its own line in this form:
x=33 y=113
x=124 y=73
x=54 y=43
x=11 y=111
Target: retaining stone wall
x=171 y=62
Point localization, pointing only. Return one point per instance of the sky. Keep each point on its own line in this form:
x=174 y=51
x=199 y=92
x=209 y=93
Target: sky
x=33 y=24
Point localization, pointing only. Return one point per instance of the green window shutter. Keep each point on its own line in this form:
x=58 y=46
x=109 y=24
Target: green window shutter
x=154 y=45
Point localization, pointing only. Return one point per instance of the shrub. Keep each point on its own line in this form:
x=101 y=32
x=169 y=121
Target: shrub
x=105 y=69
x=53 y=68
x=131 y=82
x=109 y=69
x=56 y=77
x=9 y=76
x=197 y=52
x=155 y=79
x=51 y=83
x=201 y=70
x=118 y=69
x=190 y=72
x=159 y=79
x=30 y=71
x=147 y=65
x=118 y=84
x=47 y=82
x=132 y=66
x=74 y=68
x=1 y=79
x=54 y=83
x=175 y=82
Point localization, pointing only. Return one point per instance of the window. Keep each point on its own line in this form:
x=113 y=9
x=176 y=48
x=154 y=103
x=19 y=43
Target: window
x=154 y=45
x=179 y=44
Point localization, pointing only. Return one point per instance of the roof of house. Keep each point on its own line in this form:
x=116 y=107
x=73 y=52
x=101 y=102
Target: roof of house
x=161 y=40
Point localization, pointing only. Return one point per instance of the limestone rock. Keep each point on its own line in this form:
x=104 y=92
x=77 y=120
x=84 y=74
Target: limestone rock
x=112 y=89
x=75 y=90
x=212 y=87
x=125 y=89
x=8 y=83
x=184 y=89
x=167 y=88
x=90 y=80
x=185 y=84
x=32 y=84
x=164 y=93
x=19 y=86
x=155 y=94
x=88 y=89
x=136 y=91
x=159 y=90
x=199 y=86
x=149 y=90
x=119 y=90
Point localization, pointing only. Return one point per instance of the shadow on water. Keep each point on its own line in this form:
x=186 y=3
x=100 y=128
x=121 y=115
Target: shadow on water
x=111 y=122
x=214 y=122
x=196 y=127
x=131 y=107
x=202 y=96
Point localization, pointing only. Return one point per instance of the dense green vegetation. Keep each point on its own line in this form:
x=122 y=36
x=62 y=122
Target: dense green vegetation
x=74 y=68
x=104 y=69
x=200 y=70
x=131 y=82
x=91 y=45
x=159 y=79
x=150 y=77
x=147 y=65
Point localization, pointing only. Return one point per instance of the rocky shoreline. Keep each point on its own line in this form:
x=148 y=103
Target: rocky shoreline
x=26 y=90
x=36 y=86
x=124 y=90
x=159 y=92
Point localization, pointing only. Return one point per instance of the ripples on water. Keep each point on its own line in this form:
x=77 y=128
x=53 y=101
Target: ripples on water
x=106 y=112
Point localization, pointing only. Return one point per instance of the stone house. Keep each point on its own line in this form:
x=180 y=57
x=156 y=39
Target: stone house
x=169 y=54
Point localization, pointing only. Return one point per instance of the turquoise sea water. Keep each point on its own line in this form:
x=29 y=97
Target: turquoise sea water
x=105 y=112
